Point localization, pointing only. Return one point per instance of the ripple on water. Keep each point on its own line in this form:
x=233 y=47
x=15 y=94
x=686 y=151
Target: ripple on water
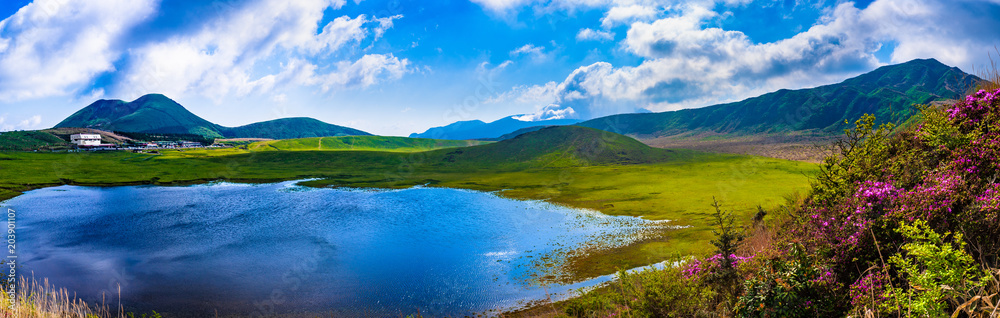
x=280 y=247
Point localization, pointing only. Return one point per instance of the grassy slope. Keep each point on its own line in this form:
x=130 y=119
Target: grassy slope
x=29 y=140
x=368 y=143
x=675 y=185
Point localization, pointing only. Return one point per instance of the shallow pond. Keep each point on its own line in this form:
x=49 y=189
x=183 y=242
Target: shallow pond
x=262 y=249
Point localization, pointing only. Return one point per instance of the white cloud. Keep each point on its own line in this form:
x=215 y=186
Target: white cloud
x=929 y=29
x=500 y=6
x=688 y=65
x=549 y=112
x=224 y=57
x=592 y=35
x=627 y=14
x=367 y=71
x=55 y=47
x=527 y=49
x=30 y=123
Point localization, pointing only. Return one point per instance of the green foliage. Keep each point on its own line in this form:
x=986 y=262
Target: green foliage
x=793 y=286
x=935 y=270
x=861 y=155
x=724 y=277
x=938 y=133
x=647 y=293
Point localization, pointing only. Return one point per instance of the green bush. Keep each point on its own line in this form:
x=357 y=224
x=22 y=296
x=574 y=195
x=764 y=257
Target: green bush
x=935 y=271
x=649 y=293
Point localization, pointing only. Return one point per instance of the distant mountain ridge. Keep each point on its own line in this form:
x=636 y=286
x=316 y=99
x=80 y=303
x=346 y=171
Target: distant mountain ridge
x=887 y=92
x=477 y=129
x=156 y=113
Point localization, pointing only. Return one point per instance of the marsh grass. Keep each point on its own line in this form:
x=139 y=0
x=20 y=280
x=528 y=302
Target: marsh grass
x=42 y=300
x=990 y=75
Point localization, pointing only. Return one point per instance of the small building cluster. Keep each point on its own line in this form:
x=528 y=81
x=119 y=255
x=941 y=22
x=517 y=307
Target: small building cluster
x=93 y=142
x=87 y=140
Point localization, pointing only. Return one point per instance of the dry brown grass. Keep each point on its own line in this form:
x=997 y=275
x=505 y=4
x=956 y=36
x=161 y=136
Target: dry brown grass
x=42 y=300
x=798 y=147
x=989 y=74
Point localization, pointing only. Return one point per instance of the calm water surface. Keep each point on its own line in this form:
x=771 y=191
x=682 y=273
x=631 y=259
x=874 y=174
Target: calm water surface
x=281 y=248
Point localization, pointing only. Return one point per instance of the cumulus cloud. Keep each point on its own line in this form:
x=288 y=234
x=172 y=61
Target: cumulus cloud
x=687 y=64
x=30 y=123
x=220 y=59
x=549 y=112
x=627 y=14
x=55 y=47
x=594 y=35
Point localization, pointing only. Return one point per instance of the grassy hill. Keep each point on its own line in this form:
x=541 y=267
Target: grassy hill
x=887 y=92
x=558 y=146
x=361 y=143
x=157 y=114
x=289 y=128
x=29 y=140
x=515 y=133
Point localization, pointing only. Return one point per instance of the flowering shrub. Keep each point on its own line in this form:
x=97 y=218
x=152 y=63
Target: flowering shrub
x=869 y=290
x=989 y=202
x=943 y=173
x=795 y=287
x=696 y=268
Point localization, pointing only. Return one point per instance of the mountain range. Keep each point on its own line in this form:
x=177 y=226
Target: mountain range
x=887 y=92
x=155 y=113
x=477 y=129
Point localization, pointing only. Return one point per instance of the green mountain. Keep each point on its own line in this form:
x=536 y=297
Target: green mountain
x=289 y=128
x=887 y=92
x=155 y=113
x=559 y=146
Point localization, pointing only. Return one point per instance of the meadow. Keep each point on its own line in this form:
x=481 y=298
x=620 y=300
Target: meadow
x=680 y=189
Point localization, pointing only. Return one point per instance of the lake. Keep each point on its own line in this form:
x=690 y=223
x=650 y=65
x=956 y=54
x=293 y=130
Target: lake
x=280 y=248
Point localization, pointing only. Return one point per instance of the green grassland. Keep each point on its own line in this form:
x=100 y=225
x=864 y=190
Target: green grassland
x=616 y=175
x=30 y=140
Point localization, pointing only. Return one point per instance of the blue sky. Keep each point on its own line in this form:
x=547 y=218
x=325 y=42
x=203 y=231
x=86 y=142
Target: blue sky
x=400 y=66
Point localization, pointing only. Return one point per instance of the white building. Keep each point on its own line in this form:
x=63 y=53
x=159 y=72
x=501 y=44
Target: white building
x=86 y=139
